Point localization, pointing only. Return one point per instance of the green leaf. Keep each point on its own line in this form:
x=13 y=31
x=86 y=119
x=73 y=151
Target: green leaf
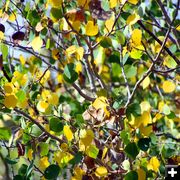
x=143 y=143
x=56 y=125
x=18 y=177
x=125 y=136
x=56 y=13
x=132 y=150
x=134 y=109
x=115 y=57
x=4 y=50
x=22 y=170
x=77 y=158
x=29 y=169
x=121 y=37
x=52 y=171
x=5 y=133
x=21 y=95
x=106 y=42
x=92 y=151
x=130 y=71
x=70 y=75
x=44 y=148
x=132 y=175
x=11 y=161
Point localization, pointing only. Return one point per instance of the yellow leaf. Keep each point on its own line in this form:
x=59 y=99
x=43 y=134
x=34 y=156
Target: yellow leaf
x=80 y=53
x=141 y=174
x=64 y=147
x=68 y=133
x=53 y=99
x=113 y=3
x=83 y=3
x=101 y=103
x=39 y=27
x=109 y=24
x=55 y=54
x=42 y=106
x=55 y=3
x=12 y=17
x=78 y=173
x=136 y=37
x=91 y=29
x=79 y=67
x=153 y=164
x=60 y=78
x=86 y=136
x=44 y=163
x=8 y=88
x=10 y=100
x=146 y=118
x=22 y=59
x=145 y=130
x=1 y=35
x=132 y=19
x=145 y=106
x=30 y=154
x=101 y=171
x=145 y=82
x=133 y=1
x=37 y=43
x=168 y=86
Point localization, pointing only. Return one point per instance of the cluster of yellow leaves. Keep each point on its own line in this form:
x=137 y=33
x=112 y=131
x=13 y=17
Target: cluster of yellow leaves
x=153 y=164
x=11 y=88
x=76 y=51
x=47 y=98
x=78 y=173
x=142 y=122
x=41 y=76
x=62 y=158
x=86 y=138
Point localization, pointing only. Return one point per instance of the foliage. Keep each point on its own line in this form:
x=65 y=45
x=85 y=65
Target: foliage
x=89 y=89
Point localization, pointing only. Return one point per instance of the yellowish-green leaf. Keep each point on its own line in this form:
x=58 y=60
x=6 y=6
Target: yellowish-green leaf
x=91 y=28
x=101 y=171
x=170 y=62
x=168 y=86
x=68 y=133
x=153 y=164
